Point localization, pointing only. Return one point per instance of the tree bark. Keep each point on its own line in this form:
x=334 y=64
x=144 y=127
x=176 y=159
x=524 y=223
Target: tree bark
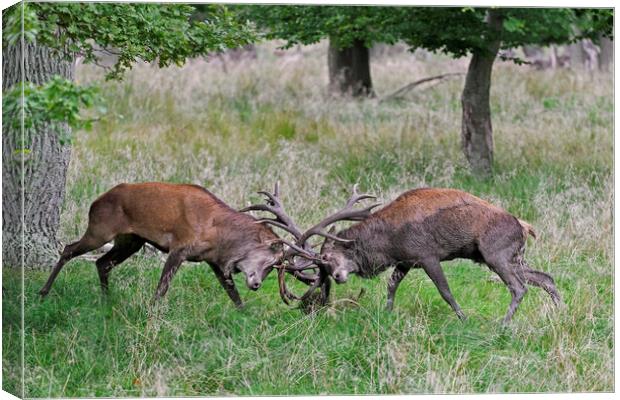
x=606 y=55
x=578 y=55
x=553 y=57
x=34 y=166
x=349 y=69
x=592 y=53
x=476 y=129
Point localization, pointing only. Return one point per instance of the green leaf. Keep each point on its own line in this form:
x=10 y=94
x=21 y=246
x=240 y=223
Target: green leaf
x=163 y=32
x=57 y=101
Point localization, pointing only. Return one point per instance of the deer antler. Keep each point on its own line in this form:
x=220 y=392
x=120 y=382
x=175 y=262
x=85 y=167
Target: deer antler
x=284 y=221
x=301 y=247
x=347 y=213
x=275 y=206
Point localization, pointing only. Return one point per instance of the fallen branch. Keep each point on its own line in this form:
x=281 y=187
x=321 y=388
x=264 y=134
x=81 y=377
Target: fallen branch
x=412 y=85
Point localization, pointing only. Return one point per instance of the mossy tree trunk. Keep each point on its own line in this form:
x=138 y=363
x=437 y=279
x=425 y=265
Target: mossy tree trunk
x=34 y=166
x=349 y=69
x=476 y=128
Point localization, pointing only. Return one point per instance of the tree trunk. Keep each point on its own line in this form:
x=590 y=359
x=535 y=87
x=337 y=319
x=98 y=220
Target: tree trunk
x=34 y=167
x=606 y=55
x=349 y=70
x=553 y=57
x=476 y=129
x=578 y=55
x=591 y=52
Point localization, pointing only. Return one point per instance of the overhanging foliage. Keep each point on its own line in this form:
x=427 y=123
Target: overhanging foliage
x=161 y=33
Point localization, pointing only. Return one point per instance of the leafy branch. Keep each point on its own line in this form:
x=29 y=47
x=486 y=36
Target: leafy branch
x=167 y=34
x=58 y=101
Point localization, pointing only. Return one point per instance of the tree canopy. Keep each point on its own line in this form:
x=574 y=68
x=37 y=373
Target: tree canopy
x=162 y=33
x=460 y=31
x=310 y=24
x=453 y=30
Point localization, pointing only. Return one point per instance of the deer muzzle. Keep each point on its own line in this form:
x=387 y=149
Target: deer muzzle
x=254 y=282
x=340 y=276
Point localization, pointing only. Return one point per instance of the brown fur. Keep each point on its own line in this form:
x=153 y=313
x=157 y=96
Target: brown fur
x=186 y=221
x=171 y=216
x=418 y=204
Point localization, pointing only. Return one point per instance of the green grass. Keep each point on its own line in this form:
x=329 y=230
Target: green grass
x=268 y=119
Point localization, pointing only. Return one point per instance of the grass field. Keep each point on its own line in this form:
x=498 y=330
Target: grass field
x=237 y=130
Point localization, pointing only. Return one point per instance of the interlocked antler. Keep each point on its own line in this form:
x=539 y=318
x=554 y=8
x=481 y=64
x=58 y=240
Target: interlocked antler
x=283 y=221
x=348 y=213
x=301 y=247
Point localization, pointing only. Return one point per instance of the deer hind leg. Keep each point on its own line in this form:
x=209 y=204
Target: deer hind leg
x=87 y=243
x=504 y=263
x=542 y=280
x=502 y=248
x=432 y=267
x=124 y=247
x=399 y=273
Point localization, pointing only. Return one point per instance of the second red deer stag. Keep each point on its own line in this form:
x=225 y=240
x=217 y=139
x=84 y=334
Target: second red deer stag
x=185 y=221
x=421 y=228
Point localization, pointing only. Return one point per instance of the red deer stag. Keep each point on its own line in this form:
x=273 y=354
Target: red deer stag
x=186 y=221
x=423 y=227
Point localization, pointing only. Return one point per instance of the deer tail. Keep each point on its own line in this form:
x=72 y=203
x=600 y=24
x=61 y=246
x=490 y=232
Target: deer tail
x=527 y=228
